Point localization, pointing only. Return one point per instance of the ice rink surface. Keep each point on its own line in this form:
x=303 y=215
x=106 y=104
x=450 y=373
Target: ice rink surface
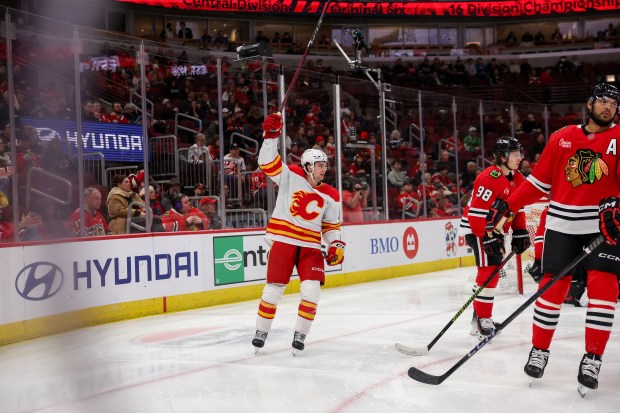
x=202 y=360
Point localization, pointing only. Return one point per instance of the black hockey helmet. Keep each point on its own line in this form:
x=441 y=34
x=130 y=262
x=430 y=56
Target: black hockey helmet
x=504 y=145
x=605 y=90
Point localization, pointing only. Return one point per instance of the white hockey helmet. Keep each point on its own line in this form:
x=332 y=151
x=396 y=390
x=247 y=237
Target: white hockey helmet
x=311 y=156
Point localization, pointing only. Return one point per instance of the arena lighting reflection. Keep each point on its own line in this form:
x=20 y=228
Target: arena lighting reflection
x=500 y=8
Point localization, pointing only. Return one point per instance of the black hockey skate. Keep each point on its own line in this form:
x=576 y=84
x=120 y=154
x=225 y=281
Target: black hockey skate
x=298 y=342
x=588 y=373
x=259 y=340
x=536 y=363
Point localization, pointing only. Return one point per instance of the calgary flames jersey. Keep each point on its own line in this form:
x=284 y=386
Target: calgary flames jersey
x=489 y=185
x=302 y=213
x=577 y=169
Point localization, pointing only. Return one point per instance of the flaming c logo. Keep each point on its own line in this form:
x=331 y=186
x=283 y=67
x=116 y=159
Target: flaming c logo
x=306 y=205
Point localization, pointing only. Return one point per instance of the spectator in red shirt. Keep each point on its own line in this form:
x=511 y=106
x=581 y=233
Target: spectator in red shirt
x=409 y=200
x=426 y=187
x=94 y=222
x=546 y=78
x=353 y=200
x=116 y=116
x=183 y=217
x=359 y=166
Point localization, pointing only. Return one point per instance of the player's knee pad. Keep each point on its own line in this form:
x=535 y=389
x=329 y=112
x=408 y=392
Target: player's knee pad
x=557 y=292
x=311 y=291
x=484 y=273
x=272 y=293
x=602 y=286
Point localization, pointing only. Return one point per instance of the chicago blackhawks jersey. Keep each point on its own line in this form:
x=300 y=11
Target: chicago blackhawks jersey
x=302 y=213
x=576 y=169
x=489 y=185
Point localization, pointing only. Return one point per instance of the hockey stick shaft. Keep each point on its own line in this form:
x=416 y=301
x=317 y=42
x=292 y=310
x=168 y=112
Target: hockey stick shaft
x=303 y=57
x=471 y=299
x=423 y=377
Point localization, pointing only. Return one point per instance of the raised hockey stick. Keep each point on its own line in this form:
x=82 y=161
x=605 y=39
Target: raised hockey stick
x=423 y=377
x=420 y=351
x=303 y=57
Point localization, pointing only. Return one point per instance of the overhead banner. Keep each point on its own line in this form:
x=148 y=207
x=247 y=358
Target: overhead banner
x=508 y=8
x=117 y=142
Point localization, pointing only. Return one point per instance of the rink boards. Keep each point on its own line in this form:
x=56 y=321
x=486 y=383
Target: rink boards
x=48 y=288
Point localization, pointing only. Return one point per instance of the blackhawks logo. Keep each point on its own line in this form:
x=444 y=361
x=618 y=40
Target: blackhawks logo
x=495 y=174
x=585 y=167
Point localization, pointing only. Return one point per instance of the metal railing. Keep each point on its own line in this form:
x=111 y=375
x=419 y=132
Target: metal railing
x=94 y=163
x=47 y=191
x=246 y=218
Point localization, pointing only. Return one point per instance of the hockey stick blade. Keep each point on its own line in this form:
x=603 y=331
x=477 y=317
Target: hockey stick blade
x=420 y=351
x=426 y=378
x=423 y=377
x=411 y=351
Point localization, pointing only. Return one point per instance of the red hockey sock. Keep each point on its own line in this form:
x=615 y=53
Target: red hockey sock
x=603 y=295
x=547 y=310
x=483 y=304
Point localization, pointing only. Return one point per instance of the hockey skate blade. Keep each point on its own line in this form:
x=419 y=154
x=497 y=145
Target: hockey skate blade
x=411 y=351
x=583 y=390
x=295 y=352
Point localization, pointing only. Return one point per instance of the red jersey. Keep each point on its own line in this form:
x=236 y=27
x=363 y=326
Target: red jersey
x=576 y=170
x=410 y=199
x=174 y=221
x=258 y=180
x=94 y=223
x=489 y=185
x=6 y=231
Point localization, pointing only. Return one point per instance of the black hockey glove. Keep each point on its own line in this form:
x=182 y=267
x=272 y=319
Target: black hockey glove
x=609 y=219
x=536 y=271
x=497 y=212
x=520 y=240
x=493 y=244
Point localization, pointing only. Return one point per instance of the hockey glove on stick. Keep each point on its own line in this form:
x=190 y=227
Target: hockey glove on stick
x=493 y=244
x=520 y=240
x=335 y=253
x=497 y=216
x=609 y=219
x=536 y=271
x=272 y=126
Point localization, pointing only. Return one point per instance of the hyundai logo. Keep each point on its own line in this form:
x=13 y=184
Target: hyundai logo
x=39 y=281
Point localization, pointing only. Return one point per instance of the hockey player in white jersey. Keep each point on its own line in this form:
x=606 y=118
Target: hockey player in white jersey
x=306 y=211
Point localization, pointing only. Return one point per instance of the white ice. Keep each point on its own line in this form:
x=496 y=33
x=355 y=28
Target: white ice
x=202 y=360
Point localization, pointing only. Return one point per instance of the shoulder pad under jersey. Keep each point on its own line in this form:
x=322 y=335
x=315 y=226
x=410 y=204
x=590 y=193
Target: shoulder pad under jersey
x=329 y=191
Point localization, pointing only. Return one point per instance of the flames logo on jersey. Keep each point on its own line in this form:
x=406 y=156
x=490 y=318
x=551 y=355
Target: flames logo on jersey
x=306 y=205
x=585 y=167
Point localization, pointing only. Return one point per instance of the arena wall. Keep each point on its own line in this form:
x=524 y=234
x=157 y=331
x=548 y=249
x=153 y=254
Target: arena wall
x=50 y=288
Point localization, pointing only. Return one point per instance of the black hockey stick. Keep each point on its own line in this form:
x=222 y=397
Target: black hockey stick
x=423 y=377
x=420 y=351
x=303 y=57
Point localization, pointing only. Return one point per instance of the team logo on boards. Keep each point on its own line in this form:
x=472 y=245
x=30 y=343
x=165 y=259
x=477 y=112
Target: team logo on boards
x=410 y=243
x=585 y=167
x=451 y=237
x=306 y=205
x=39 y=281
x=232 y=260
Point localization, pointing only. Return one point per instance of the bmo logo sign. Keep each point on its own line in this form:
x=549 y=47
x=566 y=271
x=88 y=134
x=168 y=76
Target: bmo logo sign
x=410 y=243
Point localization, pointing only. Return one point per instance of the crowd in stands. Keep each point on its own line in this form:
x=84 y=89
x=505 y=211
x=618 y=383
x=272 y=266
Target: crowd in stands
x=187 y=202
